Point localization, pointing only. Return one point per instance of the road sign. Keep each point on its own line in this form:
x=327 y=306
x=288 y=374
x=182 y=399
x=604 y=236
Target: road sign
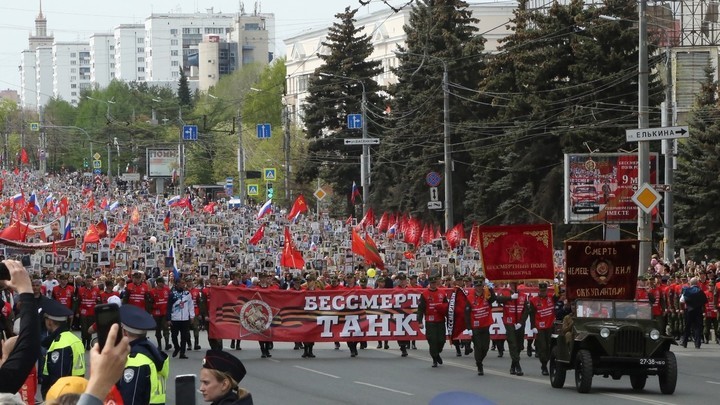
x=652 y=134
x=228 y=181
x=320 y=194
x=362 y=141
x=97 y=171
x=35 y=126
x=252 y=189
x=264 y=131
x=434 y=194
x=646 y=198
x=190 y=133
x=130 y=176
x=96 y=156
x=663 y=188
x=354 y=121
x=269 y=174
x=97 y=164
x=433 y=179
x=434 y=205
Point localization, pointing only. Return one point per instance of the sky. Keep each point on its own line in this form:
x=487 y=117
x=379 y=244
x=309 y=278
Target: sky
x=77 y=20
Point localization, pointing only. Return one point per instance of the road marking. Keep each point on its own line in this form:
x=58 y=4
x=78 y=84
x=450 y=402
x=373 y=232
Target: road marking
x=637 y=399
x=274 y=361
x=712 y=382
x=384 y=388
x=317 y=372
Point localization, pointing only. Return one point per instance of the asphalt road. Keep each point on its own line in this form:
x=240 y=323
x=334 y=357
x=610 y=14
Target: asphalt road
x=379 y=376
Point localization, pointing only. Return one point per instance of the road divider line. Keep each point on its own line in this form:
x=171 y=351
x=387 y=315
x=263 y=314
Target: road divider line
x=713 y=382
x=274 y=361
x=317 y=372
x=637 y=399
x=384 y=388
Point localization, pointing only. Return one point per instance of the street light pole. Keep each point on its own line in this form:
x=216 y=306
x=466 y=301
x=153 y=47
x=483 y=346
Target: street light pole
x=447 y=149
x=644 y=234
x=240 y=158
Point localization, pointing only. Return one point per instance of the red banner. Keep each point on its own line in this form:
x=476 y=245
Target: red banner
x=601 y=269
x=31 y=247
x=323 y=316
x=517 y=252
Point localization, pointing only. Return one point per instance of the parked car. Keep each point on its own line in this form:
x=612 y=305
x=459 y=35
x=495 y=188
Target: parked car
x=584 y=199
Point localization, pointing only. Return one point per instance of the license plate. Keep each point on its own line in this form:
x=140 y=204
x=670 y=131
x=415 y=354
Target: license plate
x=652 y=362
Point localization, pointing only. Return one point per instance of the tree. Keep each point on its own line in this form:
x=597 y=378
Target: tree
x=697 y=178
x=184 y=96
x=439 y=33
x=334 y=91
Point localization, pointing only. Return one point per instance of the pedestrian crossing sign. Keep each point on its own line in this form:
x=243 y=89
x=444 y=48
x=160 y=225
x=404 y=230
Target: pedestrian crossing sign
x=252 y=189
x=269 y=174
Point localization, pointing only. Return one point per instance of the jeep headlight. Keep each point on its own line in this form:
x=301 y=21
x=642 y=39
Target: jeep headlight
x=604 y=333
x=654 y=334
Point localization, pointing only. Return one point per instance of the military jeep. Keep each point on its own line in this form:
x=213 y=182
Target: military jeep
x=612 y=339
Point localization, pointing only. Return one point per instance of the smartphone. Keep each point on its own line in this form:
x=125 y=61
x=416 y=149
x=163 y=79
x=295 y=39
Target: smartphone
x=106 y=315
x=4 y=272
x=185 y=391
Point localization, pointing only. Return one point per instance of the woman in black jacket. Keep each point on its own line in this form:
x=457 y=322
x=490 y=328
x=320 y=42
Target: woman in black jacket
x=219 y=379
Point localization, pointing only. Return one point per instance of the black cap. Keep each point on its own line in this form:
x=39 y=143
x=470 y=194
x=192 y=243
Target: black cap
x=543 y=285
x=136 y=320
x=225 y=362
x=55 y=310
x=160 y=280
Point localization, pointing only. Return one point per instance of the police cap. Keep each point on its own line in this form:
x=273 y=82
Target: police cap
x=55 y=310
x=136 y=320
x=224 y=362
x=543 y=285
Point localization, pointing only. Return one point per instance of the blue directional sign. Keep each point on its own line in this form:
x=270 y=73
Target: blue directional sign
x=263 y=131
x=190 y=133
x=97 y=171
x=354 y=121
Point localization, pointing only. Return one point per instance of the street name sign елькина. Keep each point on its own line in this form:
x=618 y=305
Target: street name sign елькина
x=653 y=134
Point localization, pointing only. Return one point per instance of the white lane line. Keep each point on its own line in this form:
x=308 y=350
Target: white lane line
x=637 y=399
x=317 y=372
x=712 y=382
x=274 y=361
x=384 y=388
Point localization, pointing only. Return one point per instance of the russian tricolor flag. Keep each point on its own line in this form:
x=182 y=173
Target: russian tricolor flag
x=171 y=253
x=265 y=209
x=67 y=234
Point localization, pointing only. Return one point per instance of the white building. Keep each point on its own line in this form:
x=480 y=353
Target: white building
x=71 y=62
x=130 y=52
x=34 y=60
x=386 y=30
x=102 y=57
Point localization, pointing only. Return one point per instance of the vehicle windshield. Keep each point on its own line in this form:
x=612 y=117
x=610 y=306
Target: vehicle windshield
x=613 y=309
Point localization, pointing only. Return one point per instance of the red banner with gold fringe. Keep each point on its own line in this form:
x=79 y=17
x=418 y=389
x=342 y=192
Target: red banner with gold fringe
x=601 y=269
x=517 y=252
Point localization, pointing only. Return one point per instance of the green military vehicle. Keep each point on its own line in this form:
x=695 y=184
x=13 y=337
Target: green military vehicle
x=612 y=339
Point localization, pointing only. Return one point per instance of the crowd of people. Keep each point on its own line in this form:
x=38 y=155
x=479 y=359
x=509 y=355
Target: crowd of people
x=160 y=275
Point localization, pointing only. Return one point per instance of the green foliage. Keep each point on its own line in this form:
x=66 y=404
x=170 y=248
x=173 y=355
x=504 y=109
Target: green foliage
x=697 y=178
x=184 y=97
x=334 y=91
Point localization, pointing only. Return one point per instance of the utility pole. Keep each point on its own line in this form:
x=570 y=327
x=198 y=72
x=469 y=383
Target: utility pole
x=447 y=149
x=286 y=146
x=365 y=178
x=644 y=234
x=669 y=146
x=109 y=170
x=181 y=157
x=240 y=158
x=42 y=153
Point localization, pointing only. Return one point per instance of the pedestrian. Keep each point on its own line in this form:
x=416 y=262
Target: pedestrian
x=478 y=312
x=147 y=368
x=310 y=285
x=694 y=299
x=541 y=310
x=514 y=318
x=432 y=310
x=65 y=351
x=219 y=378
x=160 y=296
x=180 y=314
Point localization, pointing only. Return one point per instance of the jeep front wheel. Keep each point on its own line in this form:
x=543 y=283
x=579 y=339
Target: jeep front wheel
x=557 y=370
x=583 y=371
x=637 y=381
x=668 y=377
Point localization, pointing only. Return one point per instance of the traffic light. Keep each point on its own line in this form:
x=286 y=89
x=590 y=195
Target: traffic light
x=270 y=191
x=85 y=163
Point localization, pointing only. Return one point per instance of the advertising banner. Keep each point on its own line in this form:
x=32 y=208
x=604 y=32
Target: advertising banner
x=599 y=187
x=161 y=161
x=517 y=252
x=323 y=316
x=601 y=269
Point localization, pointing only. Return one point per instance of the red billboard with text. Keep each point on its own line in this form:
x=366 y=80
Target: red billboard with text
x=599 y=187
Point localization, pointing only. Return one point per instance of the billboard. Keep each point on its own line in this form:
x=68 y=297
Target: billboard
x=599 y=187
x=161 y=161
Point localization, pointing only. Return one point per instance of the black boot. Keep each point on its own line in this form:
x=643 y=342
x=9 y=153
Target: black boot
x=500 y=351
x=513 y=369
x=363 y=345
x=379 y=346
x=310 y=352
x=413 y=346
x=435 y=362
x=403 y=349
x=544 y=369
x=306 y=349
x=457 y=350
x=298 y=346
x=468 y=348
x=518 y=369
x=387 y=345
x=480 y=369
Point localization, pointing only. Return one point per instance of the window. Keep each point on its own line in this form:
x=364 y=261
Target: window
x=73 y=93
x=141 y=78
x=173 y=31
x=141 y=50
x=191 y=30
x=174 y=63
x=73 y=78
x=140 y=41
x=173 y=42
x=141 y=59
x=174 y=52
x=73 y=54
x=73 y=62
x=141 y=70
x=73 y=70
x=175 y=74
x=112 y=65
x=73 y=86
x=112 y=47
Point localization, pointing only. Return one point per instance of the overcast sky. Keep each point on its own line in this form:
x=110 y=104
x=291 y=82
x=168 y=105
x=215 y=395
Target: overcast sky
x=77 y=20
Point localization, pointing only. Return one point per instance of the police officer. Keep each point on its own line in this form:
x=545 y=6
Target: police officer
x=147 y=368
x=478 y=314
x=65 y=351
x=433 y=308
x=541 y=310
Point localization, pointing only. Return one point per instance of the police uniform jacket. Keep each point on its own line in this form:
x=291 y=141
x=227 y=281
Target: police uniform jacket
x=65 y=357
x=146 y=370
x=232 y=398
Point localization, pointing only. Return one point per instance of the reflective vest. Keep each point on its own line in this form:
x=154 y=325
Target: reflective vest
x=513 y=309
x=68 y=339
x=481 y=310
x=158 y=378
x=436 y=306
x=657 y=305
x=544 y=311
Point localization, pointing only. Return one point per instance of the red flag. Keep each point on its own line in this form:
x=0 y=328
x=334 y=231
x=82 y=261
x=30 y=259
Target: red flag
x=291 y=257
x=455 y=235
x=438 y=234
x=135 y=216
x=13 y=232
x=372 y=255
x=24 y=157
x=91 y=236
x=427 y=234
x=298 y=206
x=103 y=203
x=257 y=237
x=16 y=171
x=409 y=255
x=384 y=222
x=166 y=221
x=183 y=203
x=474 y=241
x=101 y=228
x=121 y=236
x=348 y=221
x=54 y=249
x=210 y=207
x=2 y=185
x=91 y=204
x=412 y=231
x=358 y=245
x=368 y=219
